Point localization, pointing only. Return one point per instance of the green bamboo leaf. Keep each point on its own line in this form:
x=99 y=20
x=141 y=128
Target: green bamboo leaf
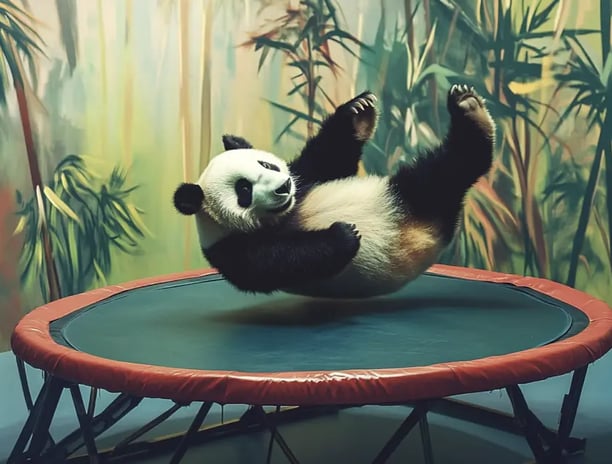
x=583 y=221
x=323 y=91
x=565 y=33
x=263 y=41
x=286 y=128
x=21 y=224
x=606 y=73
x=117 y=242
x=345 y=46
x=79 y=176
x=310 y=24
x=60 y=205
x=57 y=243
x=300 y=114
x=67 y=14
x=262 y=58
x=340 y=34
x=135 y=215
x=99 y=273
x=297 y=88
x=39 y=259
x=4 y=80
x=72 y=232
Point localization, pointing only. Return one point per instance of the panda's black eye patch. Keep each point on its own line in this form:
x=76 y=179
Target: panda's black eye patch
x=272 y=167
x=244 y=192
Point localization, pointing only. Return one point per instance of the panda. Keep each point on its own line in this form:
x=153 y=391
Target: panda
x=312 y=227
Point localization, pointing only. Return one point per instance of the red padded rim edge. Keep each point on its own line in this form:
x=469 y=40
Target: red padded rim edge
x=32 y=342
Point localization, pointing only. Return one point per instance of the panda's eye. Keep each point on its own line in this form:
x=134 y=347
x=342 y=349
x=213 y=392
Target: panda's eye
x=270 y=166
x=244 y=192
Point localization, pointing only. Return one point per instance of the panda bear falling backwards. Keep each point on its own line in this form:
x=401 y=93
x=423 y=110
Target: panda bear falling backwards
x=312 y=227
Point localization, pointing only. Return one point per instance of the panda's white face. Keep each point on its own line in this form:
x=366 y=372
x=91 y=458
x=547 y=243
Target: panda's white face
x=246 y=188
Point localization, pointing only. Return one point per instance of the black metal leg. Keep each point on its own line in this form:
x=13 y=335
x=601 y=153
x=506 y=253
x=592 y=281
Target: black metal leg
x=85 y=423
x=193 y=428
x=426 y=440
x=23 y=378
x=37 y=425
x=569 y=409
x=147 y=427
x=114 y=412
x=271 y=442
x=91 y=406
x=403 y=430
x=275 y=435
x=535 y=433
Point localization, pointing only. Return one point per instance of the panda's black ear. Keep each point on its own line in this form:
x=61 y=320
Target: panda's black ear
x=233 y=142
x=188 y=198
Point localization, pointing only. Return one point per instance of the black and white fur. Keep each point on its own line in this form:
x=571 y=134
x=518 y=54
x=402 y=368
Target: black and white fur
x=313 y=227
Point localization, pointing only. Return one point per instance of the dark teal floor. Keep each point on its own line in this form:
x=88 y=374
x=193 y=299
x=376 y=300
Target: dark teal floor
x=354 y=436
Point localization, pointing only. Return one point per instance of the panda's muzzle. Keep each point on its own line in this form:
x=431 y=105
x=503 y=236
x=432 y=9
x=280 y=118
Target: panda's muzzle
x=284 y=189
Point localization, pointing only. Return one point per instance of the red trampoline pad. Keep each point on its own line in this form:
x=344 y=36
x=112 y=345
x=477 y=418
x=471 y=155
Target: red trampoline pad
x=34 y=343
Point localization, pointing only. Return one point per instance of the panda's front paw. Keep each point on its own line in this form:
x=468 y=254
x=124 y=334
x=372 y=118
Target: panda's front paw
x=346 y=237
x=362 y=111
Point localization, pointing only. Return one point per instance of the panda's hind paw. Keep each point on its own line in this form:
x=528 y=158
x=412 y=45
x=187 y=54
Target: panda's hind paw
x=362 y=101
x=466 y=106
x=463 y=98
x=362 y=110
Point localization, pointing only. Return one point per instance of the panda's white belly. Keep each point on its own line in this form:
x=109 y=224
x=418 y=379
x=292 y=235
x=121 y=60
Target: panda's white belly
x=393 y=250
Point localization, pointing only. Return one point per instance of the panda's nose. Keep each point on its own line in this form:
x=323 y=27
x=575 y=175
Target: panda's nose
x=284 y=189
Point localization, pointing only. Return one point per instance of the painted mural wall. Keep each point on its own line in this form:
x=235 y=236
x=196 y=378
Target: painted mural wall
x=106 y=106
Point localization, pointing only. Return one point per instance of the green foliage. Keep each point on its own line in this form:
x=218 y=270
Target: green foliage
x=593 y=89
x=67 y=15
x=304 y=36
x=87 y=217
x=514 y=218
x=16 y=36
x=400 y=76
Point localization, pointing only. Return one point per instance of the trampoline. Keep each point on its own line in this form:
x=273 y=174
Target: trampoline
x=192 y=338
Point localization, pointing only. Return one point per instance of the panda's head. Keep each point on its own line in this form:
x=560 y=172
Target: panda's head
x=241 y=189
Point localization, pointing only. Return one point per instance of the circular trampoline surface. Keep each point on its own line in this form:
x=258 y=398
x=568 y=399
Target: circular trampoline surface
x=204 y=323
x=192 y=337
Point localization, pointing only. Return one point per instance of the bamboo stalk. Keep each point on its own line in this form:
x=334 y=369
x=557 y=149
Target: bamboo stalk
x=11 y=56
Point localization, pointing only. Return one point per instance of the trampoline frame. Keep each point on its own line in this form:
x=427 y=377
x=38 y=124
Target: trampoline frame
x=35 y=443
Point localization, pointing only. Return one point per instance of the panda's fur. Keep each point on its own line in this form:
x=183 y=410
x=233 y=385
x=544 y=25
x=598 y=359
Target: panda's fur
x=393 y=249
x=313 y=227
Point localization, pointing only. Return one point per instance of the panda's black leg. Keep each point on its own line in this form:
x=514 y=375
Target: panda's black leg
x=334 y=152
x=265 y=262
x=433 y=188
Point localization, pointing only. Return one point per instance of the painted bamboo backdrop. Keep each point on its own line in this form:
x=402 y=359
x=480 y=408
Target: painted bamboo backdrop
x=106 y=106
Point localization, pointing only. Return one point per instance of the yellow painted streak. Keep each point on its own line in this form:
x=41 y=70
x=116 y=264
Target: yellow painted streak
x=183 y=43
x=206 y=97
x=104 y=80
x=128 y=88
x=522 y=88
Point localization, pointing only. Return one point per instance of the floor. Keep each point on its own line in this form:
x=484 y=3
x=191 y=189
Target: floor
x=354 y=435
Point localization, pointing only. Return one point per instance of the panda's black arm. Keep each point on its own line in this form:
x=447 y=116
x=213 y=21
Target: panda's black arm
x=334 y=152
x=265 y=262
